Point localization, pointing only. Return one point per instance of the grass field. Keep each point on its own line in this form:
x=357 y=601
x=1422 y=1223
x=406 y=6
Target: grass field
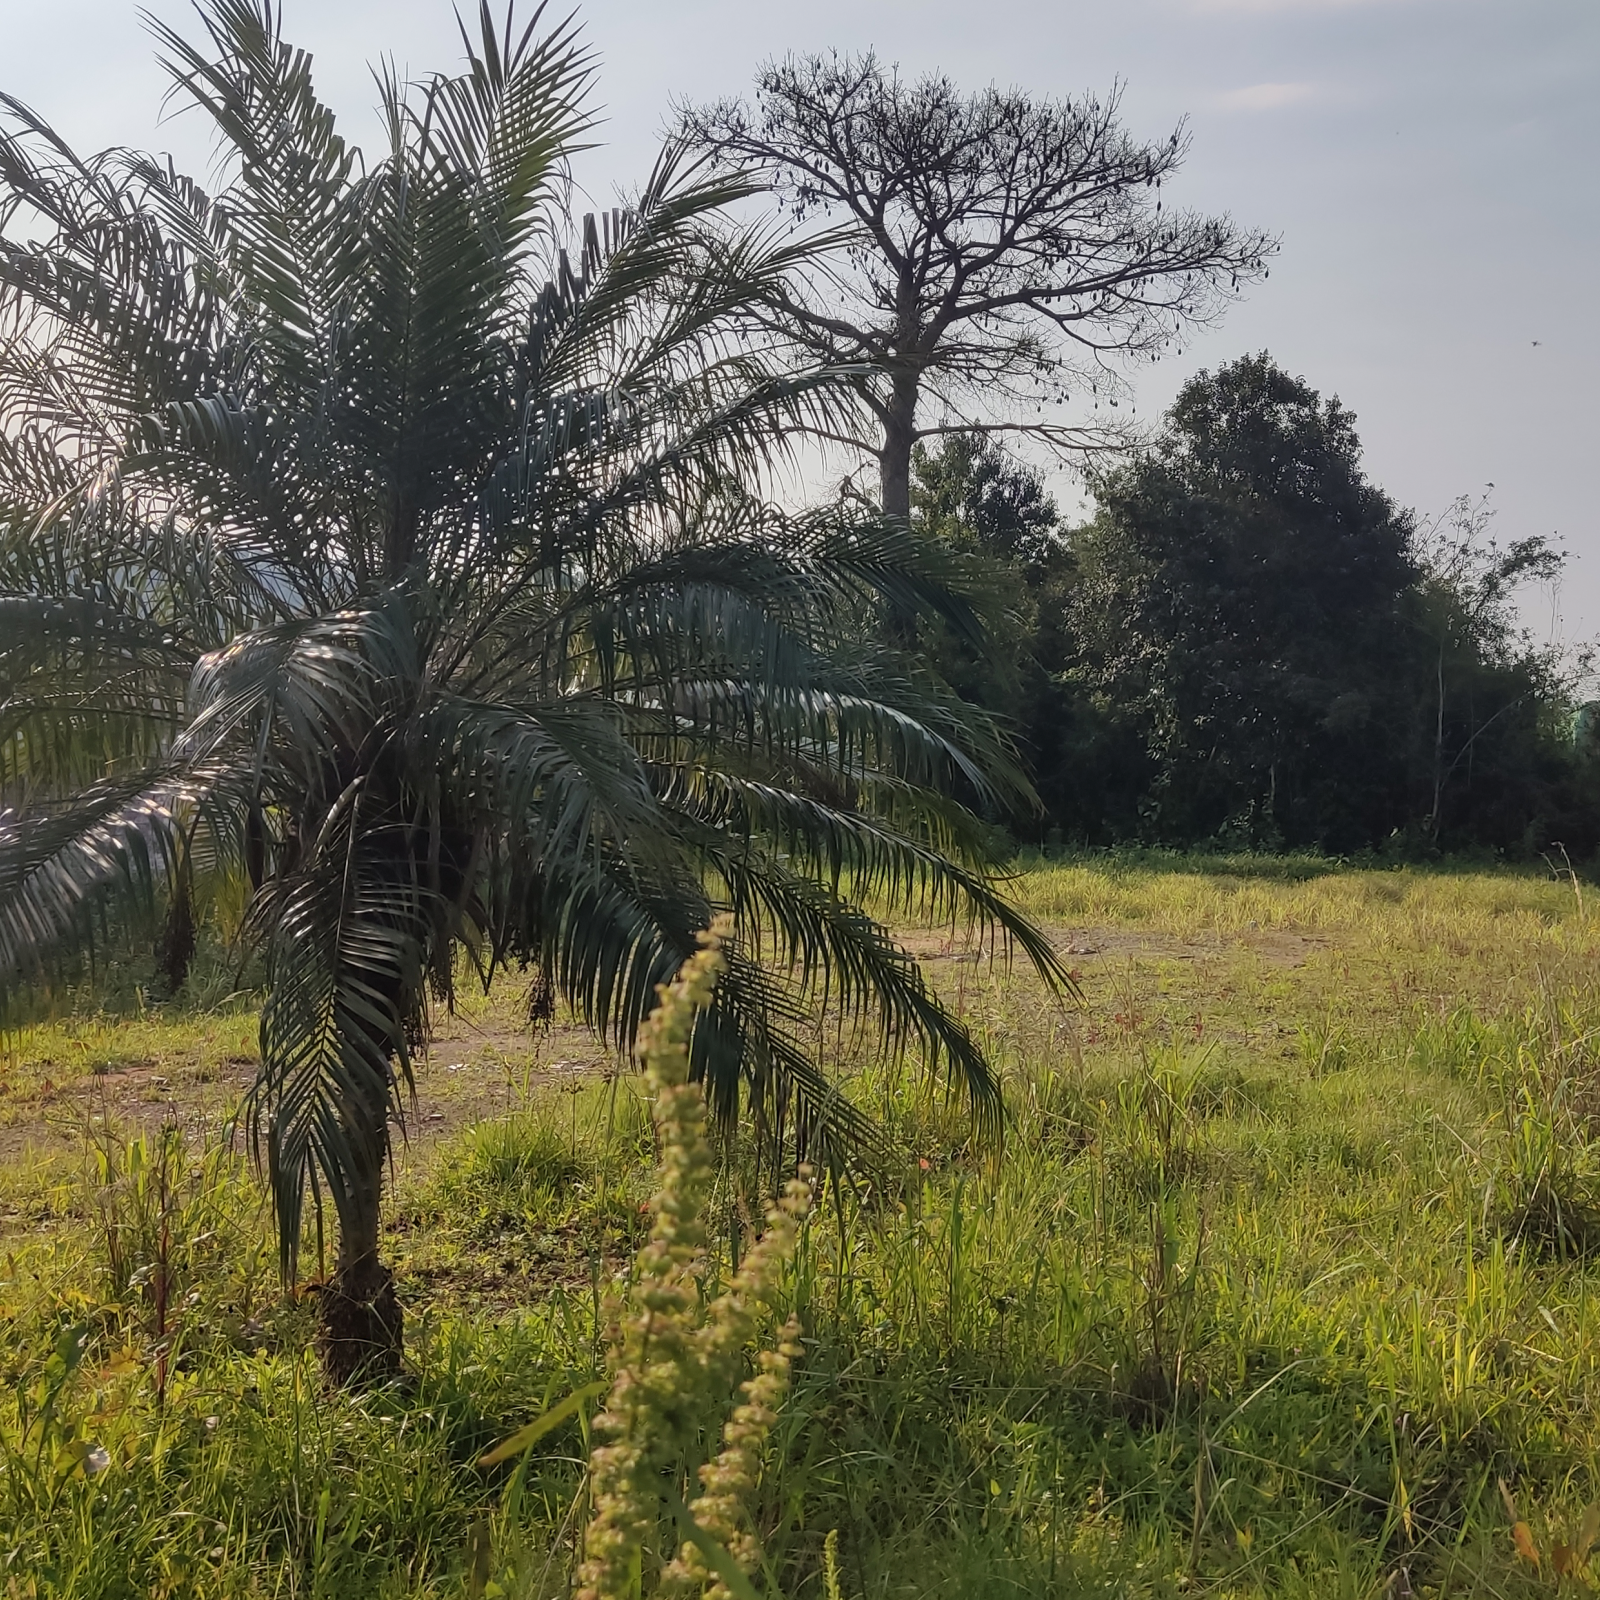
x=1287 y=1278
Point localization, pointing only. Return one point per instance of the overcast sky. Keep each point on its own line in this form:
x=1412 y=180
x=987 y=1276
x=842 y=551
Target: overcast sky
x=1429 y=164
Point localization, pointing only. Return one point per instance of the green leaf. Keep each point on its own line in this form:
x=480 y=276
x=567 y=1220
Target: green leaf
x=530 y=1434
x=717 y=1558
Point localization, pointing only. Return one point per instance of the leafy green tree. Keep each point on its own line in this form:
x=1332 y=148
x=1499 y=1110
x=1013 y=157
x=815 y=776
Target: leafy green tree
x=1087 y=762
x=968 y=497
x=1249 y=644
x=363 y=535
x=1242 y=599
x=1494 y=754
x=968 y=490
x=976 y=499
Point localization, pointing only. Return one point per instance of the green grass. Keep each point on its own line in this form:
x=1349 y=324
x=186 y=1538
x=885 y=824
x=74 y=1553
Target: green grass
x=1292 y=1257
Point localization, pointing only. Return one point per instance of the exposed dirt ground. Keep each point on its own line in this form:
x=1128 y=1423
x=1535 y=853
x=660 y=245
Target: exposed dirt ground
x=467 y=1073
x=64 y=1081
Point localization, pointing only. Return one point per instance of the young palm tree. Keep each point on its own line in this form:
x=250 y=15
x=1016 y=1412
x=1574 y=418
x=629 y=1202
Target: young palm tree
x=356 y=537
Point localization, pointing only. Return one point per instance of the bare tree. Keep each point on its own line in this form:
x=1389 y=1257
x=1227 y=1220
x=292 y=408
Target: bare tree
x=996 y=253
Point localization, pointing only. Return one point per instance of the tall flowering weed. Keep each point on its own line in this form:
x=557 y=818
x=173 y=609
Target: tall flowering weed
x=675 y=1358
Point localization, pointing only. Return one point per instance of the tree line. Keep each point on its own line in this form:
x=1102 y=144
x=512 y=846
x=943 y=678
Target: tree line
x=1248 y=645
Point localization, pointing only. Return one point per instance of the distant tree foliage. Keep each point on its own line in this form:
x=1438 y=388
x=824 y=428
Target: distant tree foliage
x=978 y=500
x=993 y=253
x=1498 y=754
x=1250 y=645
x=1241 y=597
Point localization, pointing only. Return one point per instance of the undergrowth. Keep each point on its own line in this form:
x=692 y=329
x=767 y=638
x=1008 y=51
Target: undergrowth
x=1287 y=1277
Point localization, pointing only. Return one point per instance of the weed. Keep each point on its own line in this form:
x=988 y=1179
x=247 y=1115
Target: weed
x=672 y=1359
x=1323 y=1047
x=1549 y=1188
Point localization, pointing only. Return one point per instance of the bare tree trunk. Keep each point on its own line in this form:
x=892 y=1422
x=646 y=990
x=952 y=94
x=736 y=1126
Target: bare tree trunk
x=894 y=487
x=894 y=477
x=360 y=1336
x=1438 y=752
x=899 y=435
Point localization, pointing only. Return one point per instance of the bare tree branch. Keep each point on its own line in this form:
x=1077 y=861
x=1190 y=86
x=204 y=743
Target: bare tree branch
x=1006 y=253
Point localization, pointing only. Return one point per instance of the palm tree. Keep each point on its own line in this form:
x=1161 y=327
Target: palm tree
x=363 y=533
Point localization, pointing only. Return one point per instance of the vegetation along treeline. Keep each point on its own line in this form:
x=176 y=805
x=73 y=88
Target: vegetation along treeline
x=1249 y=645
x=407 y=625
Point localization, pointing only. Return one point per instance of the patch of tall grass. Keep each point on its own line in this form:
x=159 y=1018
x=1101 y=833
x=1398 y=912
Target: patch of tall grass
x=164 y=1430
x=1285 y=1268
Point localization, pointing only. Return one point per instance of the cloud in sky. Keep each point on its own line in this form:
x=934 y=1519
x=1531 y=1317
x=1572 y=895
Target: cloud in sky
x=1262 y=97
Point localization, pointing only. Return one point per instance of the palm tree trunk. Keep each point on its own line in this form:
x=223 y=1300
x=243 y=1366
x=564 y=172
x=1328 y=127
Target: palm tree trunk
x=360 y=1336
x=175 y=944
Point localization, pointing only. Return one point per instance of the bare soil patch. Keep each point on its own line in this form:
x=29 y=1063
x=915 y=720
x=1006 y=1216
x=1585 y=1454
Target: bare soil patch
x=468 y=1072
x=485 y=1065
x=1277 y=947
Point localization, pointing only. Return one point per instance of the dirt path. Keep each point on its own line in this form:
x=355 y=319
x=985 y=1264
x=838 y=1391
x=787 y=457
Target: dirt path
x=468 y=1073
x=141 y=1074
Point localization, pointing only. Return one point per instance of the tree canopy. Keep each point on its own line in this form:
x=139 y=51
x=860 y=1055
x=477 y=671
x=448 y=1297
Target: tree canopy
x=986 y=258
x=1249 y=644
x=1241 y=592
